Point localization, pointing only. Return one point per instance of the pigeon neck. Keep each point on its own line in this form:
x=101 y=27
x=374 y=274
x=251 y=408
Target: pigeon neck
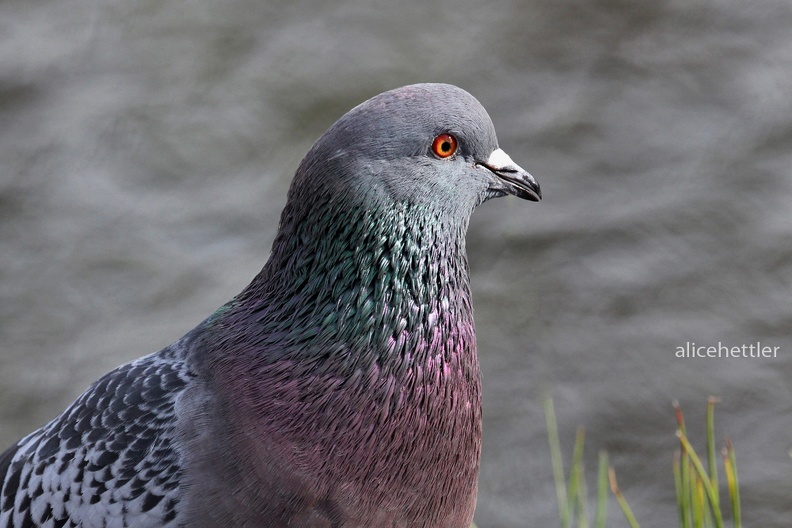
x=360 y=323
x=390 y=282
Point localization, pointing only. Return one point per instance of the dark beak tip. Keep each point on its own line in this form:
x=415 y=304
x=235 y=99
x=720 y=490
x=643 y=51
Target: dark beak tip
x=516 y=181
x=525 y=188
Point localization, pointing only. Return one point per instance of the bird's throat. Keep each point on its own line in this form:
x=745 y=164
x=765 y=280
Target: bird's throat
x=388 y=287
x=356 y=331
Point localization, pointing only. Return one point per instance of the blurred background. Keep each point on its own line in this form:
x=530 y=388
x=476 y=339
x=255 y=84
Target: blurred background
x=146 y=148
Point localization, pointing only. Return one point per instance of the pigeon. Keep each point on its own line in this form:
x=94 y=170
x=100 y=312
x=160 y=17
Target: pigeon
x=340 y=388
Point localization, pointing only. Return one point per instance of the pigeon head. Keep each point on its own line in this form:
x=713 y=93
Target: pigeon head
x=423 y=144
x=404 y=169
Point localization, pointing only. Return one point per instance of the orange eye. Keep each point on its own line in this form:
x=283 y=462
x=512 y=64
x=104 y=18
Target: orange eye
x=444 y=145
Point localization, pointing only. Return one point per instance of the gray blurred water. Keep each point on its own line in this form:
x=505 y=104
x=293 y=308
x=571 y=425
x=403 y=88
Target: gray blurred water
x=146 y=148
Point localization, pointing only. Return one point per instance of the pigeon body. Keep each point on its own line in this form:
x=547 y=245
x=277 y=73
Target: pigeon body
x=339 y=389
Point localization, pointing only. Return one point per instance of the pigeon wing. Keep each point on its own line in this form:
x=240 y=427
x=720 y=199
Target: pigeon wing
x=109 y=459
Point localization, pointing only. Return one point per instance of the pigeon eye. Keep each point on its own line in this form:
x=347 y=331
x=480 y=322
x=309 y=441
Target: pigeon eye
x=444 y=145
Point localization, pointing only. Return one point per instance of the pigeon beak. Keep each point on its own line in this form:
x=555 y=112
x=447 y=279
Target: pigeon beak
x=512 y=178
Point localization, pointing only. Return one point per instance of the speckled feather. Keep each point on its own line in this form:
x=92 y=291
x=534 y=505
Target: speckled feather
x=107 y=460
x=340 y=388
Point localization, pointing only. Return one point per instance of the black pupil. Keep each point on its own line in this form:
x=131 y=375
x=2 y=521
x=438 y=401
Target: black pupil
x=445 y=146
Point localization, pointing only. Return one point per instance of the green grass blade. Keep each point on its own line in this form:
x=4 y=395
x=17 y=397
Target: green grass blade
x=680 y=489
x=698 y=502
x=713 y=468
x=702 y=475
x=602 y=490
x=576 y=492
x=558 y=463
x=621 y=500
x=730 y=468
x=685 y=494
